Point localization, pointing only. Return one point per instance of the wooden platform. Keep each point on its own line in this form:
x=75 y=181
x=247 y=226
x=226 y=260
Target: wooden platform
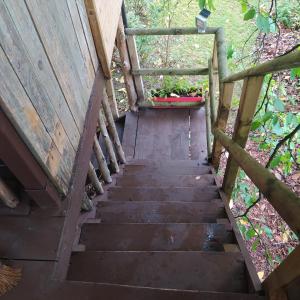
x=166 y=134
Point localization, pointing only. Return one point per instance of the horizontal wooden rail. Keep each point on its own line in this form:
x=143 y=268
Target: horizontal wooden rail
x=279 y=195
x=169 y=31
x=163 y=71
x=285 y=62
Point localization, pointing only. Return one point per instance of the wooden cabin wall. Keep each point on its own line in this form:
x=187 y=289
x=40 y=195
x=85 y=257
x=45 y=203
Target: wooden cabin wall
x=47 y=69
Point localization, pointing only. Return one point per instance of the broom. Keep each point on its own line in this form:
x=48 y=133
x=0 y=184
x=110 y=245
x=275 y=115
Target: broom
x=9 y=278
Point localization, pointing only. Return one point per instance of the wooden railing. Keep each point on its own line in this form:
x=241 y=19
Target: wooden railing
x=286 y=203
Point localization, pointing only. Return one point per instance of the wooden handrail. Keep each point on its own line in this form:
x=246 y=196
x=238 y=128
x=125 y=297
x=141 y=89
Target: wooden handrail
x=288 y=61
x=286 y=203
x=169 y=31
x=170 y=71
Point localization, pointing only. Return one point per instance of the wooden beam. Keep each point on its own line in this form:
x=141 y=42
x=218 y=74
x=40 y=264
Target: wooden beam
x=110 y=91
x=249 y=98
x=113 y=130
x=288 y=61
x=285 y=202
x=98 y=36
x=108 y=143
x=94 y=179
x=221 y=122
x=170 y=72
x=208 y=125
x=77 y=189
x=150 y=104
x=169 y=31
x=135 y=65
x=126 y=66
x=282 y=276
x=7 y=195
x=101 y=161
x=212 y=93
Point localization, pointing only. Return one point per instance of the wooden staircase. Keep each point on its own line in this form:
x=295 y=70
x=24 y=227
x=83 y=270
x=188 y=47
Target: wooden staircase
x=163 y=233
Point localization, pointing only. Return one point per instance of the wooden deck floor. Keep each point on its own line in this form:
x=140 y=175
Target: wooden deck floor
x=166 y=134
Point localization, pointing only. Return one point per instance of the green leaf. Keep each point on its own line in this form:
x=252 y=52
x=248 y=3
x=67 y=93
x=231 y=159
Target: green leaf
x=268 y=231
x=279 y=105
x=263 y=23
x=295 y=73
x=250 y=234
x=267 y=116
x=256 y=124
x=250 y=14
x=230 y=51
x=255 y=245
x=210 y=5
x=275 y=161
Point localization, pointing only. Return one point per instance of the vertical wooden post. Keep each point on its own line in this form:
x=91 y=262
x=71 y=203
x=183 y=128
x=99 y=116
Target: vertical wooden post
x=208 y=125
x=112 y=97
x=7 y=195
x=212 y=93
x=135 y=65
x=108 y=143
x=101 y=161
x=126 y=66
x=112 y=129
x=249 y=98
x=94 y=179
x=221 y=122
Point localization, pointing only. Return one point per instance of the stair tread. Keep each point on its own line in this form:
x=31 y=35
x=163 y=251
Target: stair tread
x=92 y=291
x=155 y=237
x=163 y=181
x=208 y=271
x=159 y=212
x=166 y=170
x=167 y=162
x=188 y=194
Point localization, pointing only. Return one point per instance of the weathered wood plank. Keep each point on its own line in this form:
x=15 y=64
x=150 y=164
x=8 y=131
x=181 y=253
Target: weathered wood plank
x=24 y=117
x=221 y=122
x=31 y=43
x=94 y=179
x=16 y=53
x=7 y=195
x=63 y=53
x=110 y=91
x=133 y=54
x=169 y=72
x=169 y=31
x=208 y=126
x=198 y=135
x=79 y=30
x=87 y=32
x=249 y=98
x=130 y=134
x=126 y=66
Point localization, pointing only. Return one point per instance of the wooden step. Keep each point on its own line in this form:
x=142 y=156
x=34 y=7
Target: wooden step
x=167 y=163
x=94 y=291
x=166 y=181
x=165 y=170
x=155 y=237
x=187 y=194
x=207 y=271
x=115 y=212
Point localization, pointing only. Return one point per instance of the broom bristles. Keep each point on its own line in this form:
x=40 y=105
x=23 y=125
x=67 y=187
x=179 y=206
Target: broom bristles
x=9 y=278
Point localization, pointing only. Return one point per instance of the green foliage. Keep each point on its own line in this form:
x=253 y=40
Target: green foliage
x=206 y=4
x=288 y=13
x=250 y=14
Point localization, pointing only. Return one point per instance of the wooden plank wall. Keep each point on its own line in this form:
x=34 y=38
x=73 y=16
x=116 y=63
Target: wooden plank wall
x=47 y=69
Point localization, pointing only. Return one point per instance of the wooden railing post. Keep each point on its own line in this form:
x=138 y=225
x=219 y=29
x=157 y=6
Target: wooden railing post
x=108 y=143
x=135 y=65
x=126 y=66
x=288 y=271
x=94 y=179
x=212 y=92
x=208 y=125
x=248 y=101
x=221 y=122
x=112 y=97
x=101 y=161
x=112 y=129
x=7 y=195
